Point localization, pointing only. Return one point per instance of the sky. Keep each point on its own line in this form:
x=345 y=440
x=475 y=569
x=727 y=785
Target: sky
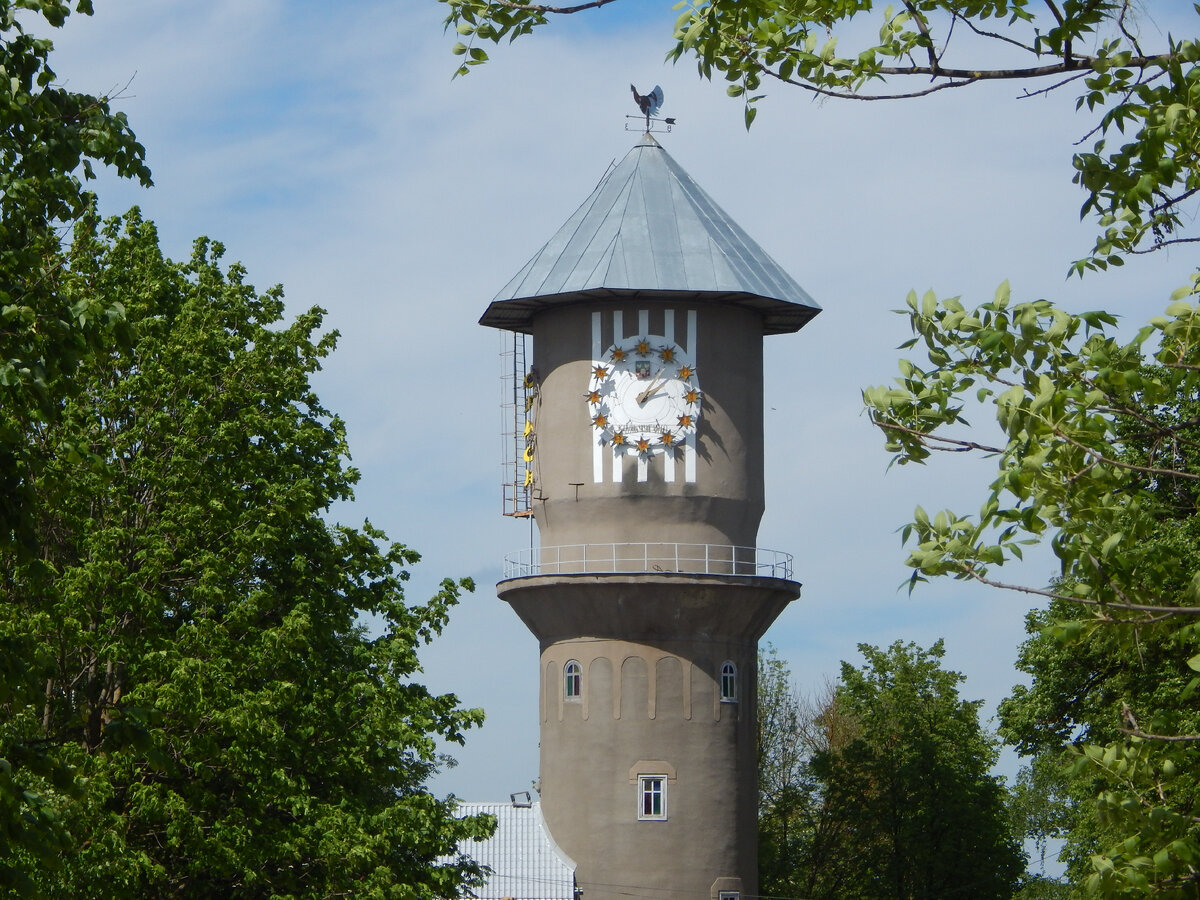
x=330 y=150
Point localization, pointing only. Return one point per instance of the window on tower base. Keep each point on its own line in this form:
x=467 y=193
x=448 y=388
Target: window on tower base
x=573 y=680
x=652 y=797
x=729 y=692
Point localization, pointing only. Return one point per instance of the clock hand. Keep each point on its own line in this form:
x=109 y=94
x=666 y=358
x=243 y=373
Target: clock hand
x=658 y=382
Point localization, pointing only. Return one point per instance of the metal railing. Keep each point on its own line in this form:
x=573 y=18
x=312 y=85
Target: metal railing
x=692 y=559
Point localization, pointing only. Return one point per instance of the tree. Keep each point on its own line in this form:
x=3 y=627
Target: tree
x=1097 y=453
x=49 y=138
x=881 y=788
x=925 y=819
x=199 y=629
x=798 y=840
x=48 y=135
x=1147 y=98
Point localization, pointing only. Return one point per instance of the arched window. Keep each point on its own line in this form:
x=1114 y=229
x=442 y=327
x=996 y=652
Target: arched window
x=573 y=680
x=728 y=682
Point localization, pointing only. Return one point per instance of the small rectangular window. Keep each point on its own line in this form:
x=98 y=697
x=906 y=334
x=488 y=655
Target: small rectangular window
x=652 y=796
x=729 y=895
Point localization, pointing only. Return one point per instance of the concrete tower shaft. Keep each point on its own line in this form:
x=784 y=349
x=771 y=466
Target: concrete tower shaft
x=663 y=691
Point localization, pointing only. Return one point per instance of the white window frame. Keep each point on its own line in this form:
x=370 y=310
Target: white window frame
x=650 y=787
x=729 y=682
x=573 y=680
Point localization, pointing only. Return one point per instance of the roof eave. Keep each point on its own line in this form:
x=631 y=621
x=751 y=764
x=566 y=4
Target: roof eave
x=779 y=316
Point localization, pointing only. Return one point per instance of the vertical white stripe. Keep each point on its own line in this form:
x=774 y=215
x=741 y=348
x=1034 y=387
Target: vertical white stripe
x=617 y=459
x=643 y=322
x=669 y=324
x=597 y=446
x=689 y=446
x=643 y=468
x=597 y=348
x=669 y=465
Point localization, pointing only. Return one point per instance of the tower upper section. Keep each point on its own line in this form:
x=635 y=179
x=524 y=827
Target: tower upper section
x=648 y=309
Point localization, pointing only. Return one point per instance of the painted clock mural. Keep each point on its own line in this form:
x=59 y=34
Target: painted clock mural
x=643 y=396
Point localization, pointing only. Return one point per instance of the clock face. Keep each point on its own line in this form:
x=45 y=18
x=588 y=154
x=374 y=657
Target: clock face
x=643 y=396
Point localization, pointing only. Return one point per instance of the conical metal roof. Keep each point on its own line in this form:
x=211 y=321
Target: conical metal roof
x=648 y=229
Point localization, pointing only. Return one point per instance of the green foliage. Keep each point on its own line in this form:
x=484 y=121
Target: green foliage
x=880 y=789
x=196 y=627
x=1138 y=171
x=1098 y=453
x=50 y=139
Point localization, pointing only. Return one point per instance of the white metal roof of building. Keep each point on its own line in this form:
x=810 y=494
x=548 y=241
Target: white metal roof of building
x=525 y=862
x=648 y=228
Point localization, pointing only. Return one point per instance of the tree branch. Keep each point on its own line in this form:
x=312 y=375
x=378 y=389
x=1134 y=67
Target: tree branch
x=1129 y=467
x=970 y=570
x=1160 y=244
x=993 y=35
x=957 y=446
x=552 y=10
x=924 y=29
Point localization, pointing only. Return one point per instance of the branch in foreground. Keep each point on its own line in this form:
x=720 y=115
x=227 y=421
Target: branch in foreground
x=1173 y=738
x=1083 y=601
x=1135 y=730
x=962 y=77
x=552 y=10
x=956 y=446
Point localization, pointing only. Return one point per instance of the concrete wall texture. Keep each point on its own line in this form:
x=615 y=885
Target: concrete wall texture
x=650 y=645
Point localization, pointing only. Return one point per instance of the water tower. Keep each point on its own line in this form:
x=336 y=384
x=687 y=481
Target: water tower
x=637 y=446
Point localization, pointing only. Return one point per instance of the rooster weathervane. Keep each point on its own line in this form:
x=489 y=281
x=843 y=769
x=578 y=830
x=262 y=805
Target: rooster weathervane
x=650 y=104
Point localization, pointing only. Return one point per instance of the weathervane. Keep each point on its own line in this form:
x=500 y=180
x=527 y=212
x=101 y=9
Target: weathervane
x=649 y=104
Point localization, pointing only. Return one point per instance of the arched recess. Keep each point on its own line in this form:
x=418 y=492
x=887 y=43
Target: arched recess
x=635 y=689
x=599 y=688
x=668 y=688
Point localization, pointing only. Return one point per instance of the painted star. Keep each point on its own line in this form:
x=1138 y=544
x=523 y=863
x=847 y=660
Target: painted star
x=600 y=372
x=600 y=420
